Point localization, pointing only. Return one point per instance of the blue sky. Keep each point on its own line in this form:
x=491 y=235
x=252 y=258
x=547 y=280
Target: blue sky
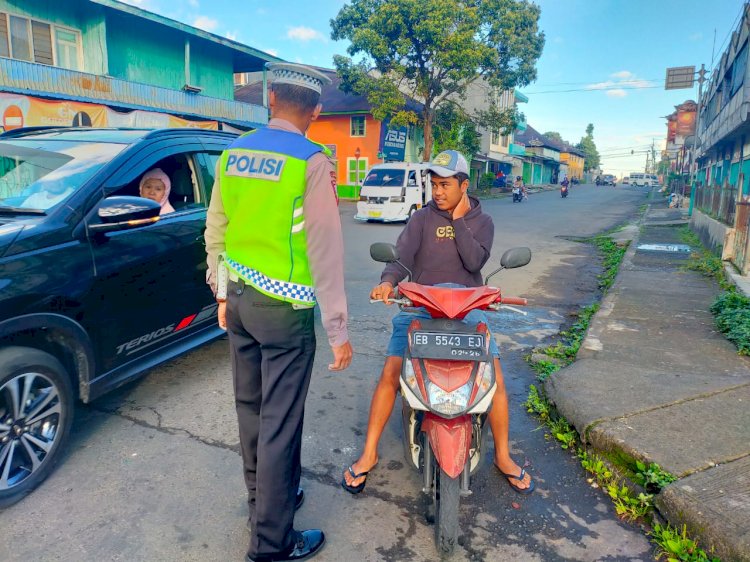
x=613 y=52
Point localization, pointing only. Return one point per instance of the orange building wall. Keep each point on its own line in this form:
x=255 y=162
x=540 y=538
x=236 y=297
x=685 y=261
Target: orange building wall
x=335 y=129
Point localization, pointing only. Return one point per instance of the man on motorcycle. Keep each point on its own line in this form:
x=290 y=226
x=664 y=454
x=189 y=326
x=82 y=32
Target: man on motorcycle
x=447 y=241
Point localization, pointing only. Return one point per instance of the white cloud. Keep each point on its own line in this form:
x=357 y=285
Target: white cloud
x=617 y=93
x=273 y=52
x=619 y=84
x=623 y=75
x=302 y=33
x=192 y=3
x=231 y=35
x=206 y=23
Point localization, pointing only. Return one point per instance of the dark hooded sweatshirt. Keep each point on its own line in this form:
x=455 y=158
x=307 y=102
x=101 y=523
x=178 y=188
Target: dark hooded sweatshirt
x=438 y=249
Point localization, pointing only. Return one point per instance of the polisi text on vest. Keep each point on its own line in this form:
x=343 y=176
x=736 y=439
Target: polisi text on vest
x=254 y=165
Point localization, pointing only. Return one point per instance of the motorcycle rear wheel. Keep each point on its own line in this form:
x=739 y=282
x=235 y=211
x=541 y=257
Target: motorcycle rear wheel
x=447 y=494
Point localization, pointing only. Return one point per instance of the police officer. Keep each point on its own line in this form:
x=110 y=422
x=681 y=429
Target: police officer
x=273 y=223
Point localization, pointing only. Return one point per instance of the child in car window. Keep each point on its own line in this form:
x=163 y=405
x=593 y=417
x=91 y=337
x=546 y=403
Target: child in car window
x=155 y=185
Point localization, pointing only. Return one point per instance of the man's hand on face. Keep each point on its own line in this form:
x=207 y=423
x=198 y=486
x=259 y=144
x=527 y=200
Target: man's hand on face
x=463 y=207
x=382 y=292
x=342 y=357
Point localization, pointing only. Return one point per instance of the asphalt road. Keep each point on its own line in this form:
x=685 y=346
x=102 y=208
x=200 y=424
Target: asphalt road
x=153 y=471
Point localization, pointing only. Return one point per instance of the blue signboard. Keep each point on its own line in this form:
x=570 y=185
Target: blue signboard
x=394 y=144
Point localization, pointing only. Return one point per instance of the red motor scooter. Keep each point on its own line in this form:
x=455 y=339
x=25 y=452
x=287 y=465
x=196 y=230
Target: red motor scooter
x=447 y=385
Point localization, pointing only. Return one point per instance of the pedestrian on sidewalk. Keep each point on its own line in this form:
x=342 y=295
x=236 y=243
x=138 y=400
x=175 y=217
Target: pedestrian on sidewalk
x=273 y=223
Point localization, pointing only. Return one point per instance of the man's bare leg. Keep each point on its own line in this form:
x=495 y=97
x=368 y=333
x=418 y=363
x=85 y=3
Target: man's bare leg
x=499 y=423
x=380 y=410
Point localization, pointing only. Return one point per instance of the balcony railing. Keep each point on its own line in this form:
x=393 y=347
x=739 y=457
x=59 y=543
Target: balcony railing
x=38 y=79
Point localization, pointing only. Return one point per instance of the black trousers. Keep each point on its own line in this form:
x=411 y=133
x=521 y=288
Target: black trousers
x=272 y=347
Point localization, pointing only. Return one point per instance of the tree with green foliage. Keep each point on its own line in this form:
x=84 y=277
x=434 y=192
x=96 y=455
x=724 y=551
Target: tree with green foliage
x=587 y=145
x=432 y=51
x=554 y=135
x=453 y=129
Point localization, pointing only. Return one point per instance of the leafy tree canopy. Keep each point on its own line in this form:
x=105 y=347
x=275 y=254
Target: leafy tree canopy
x=432 y=50
x=554 y=135
x=587 y=145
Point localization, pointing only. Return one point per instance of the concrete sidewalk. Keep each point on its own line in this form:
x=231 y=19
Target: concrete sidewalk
x=655 y=381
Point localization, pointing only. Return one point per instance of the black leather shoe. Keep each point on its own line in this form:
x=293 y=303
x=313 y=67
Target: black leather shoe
x=307 y=545
x=297 y=504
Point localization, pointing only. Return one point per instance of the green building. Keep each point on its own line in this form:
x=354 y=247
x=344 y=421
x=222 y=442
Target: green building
x=122 y=57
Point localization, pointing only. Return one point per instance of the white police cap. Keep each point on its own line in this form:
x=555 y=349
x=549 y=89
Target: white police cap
x=297 y=75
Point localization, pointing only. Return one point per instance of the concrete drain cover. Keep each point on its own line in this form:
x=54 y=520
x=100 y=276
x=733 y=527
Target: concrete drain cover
x=665 y=248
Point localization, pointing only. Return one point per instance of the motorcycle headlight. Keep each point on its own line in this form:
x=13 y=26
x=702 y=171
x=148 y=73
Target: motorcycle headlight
x=449 y=403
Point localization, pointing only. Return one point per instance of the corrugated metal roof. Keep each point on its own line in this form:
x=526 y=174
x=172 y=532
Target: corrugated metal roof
x=246 y=58
x=49 y=81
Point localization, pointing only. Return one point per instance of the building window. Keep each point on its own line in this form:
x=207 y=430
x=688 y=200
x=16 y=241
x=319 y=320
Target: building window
x=356 y=170
x=38 y=41
x=506 y=141
x=495 y=137
x=357 y=126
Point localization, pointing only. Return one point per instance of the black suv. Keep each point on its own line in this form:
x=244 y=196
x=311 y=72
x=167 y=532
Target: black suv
x=95 y=286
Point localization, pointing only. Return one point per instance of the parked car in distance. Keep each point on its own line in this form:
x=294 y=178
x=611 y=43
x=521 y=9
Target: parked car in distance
x=97 y=287
x=609 y=179
x=626 y=180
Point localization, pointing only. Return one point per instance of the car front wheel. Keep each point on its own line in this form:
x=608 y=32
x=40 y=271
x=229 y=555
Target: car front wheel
x=36 y=413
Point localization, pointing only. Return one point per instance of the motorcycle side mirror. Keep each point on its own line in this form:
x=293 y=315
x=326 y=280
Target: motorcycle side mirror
x=387 y=253
x=515 y=257
x=383 y=252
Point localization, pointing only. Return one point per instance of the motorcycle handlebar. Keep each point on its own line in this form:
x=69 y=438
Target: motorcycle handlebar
x=514 y=300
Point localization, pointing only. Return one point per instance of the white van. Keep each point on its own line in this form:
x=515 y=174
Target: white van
x=638 y=179
x=393 y=192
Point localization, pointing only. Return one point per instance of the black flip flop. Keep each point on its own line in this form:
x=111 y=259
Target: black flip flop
x=354 y=489
x=524 y=491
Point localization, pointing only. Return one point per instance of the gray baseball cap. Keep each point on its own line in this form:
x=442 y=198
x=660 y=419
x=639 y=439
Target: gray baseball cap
x=449 y=163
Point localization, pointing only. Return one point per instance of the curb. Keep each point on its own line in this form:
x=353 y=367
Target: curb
x=679 y=503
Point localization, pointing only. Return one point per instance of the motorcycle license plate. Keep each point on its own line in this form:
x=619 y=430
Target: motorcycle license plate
x=374 y=214
x=431 y=345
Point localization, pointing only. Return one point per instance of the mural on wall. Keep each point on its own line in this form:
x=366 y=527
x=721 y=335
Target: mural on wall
x=26 y=111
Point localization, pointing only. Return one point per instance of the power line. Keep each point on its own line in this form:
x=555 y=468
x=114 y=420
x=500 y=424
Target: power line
x=614 y=87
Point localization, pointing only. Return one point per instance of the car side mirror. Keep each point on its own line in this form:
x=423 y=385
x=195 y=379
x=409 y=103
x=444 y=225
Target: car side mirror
x=125 y=212
x=515 y=257
x=384 y=252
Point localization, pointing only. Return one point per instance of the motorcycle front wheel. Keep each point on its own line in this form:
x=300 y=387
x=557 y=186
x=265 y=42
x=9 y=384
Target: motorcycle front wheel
x=446 y=497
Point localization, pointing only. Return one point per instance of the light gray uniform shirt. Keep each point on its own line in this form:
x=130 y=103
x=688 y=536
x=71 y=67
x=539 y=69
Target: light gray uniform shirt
x=325 y=244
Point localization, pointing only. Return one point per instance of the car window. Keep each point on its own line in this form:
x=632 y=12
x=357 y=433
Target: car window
x=385 y=177
x=179 y=172
x=42 y=174
x=207 y=166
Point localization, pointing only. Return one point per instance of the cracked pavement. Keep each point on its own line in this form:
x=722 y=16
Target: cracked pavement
x=152 y=471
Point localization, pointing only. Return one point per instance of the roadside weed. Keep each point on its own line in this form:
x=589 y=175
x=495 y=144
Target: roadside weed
x=535 y=404
x=731 y=312
x=627 y=505
x=564 y=433
x=652 y=477
x=675 y=546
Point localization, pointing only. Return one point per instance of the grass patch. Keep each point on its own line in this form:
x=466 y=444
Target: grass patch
x=731 y=309
x=731 y=312
x=674 y=545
